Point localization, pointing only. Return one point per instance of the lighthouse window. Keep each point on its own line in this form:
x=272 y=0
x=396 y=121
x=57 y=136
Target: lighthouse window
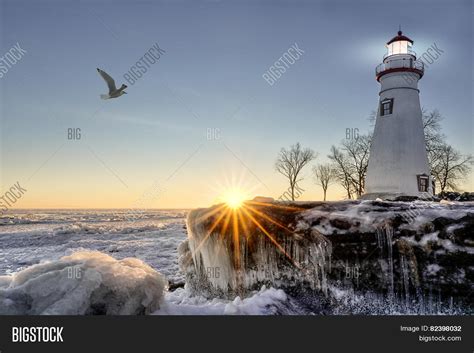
x=422 y=182
x=386 y=106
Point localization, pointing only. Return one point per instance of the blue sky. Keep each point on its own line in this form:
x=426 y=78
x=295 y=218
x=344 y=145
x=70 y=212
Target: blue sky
x=209 y=77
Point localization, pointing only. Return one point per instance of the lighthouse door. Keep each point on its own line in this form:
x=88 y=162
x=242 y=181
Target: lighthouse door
x=422 y=182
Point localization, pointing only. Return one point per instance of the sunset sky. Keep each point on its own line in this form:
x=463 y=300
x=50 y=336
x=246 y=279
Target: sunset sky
x=210 y=77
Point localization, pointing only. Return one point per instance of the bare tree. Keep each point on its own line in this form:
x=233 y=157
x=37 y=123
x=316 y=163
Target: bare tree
x=358 y=153
x=342 y=170
x=447 y=164
x=324 y=175
x=290 y=163
x=350 y=162
x=433 y=136
x=450 y=167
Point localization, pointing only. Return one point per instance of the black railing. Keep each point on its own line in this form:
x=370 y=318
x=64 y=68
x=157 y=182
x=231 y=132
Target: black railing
x=400 y=63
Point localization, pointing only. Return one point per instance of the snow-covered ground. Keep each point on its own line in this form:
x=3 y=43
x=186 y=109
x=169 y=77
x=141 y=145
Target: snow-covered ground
x=363 y=216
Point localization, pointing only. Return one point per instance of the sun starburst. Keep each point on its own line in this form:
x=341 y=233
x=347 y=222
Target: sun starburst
x=237 y=214
x=234 y=198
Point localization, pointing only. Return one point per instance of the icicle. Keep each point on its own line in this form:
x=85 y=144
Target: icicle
x=301 y=262
x=406 y=279
x=384 y=240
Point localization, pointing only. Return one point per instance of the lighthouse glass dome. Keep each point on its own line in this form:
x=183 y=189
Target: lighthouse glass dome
x=399 y=47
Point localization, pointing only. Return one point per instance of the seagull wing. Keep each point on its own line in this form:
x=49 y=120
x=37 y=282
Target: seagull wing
x=110 y=81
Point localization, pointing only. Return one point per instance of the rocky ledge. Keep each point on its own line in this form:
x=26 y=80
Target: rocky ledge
x=337 y=257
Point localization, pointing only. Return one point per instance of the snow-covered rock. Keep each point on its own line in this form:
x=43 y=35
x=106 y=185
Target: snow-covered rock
x=386 y=254
x=217 y=263
x=84 y=283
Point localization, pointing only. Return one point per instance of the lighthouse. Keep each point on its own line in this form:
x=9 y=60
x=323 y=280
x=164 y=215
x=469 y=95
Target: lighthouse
x=398 y=161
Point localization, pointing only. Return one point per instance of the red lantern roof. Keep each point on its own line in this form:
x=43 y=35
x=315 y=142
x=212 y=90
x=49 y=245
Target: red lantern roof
x=399 y=37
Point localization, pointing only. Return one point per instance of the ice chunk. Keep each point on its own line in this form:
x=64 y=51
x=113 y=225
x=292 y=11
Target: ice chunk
x=83 y=283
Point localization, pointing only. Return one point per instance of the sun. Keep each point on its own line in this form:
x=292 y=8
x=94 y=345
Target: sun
x=233 y=191
x=234 y=198
x=237 y=215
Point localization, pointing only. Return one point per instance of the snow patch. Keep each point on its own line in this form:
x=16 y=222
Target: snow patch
x=264 y=302
x=428 y=238
x=432 y=269
x=83 y=283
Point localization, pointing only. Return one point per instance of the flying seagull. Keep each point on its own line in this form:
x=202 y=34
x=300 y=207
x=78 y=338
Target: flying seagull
x=113 y=91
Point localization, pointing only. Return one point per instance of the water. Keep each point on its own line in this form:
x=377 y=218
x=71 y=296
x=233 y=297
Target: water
x=28 y=237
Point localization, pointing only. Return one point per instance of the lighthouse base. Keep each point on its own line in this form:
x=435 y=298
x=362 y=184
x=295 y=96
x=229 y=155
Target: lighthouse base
x=425 y=196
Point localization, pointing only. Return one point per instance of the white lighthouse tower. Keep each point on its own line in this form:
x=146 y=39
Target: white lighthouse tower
x=398 y=162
